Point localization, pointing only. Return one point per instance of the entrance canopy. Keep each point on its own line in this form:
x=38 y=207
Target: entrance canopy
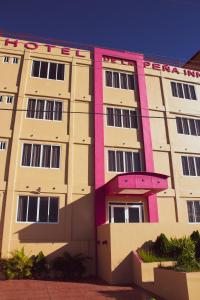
x=136 y=183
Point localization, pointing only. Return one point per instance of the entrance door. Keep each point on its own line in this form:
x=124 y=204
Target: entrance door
x=125 y=213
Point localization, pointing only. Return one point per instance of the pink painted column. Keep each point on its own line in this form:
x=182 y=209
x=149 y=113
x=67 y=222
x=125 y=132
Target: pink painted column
x=99 y=128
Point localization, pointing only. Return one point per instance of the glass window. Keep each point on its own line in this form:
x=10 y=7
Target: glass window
x=192 y=92
x=22 y=208
x=118 y=119
x=131 y=82
x=32 y=209
x=109 y=78
x=53 y=210
x=179 y=125
x=129 y=161
x=174 y=89
x=115 y=79
x=133 y=119
x=120 y=161
x=193 y=208
x=123 y=78
x=43 y=211
x=183 y=90
x=26 y=156
x=60 y=72
x=110 y=116
x=111 y=161
x=31 y=108
x=2 y=145
x=36 y=68
x=126 y=118
x=124 y=161
x=52 y=71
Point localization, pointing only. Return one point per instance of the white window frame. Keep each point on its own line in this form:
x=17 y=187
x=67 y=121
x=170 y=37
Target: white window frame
x=124 y=161
x=119 y=72
x=41 y=155
x=195 y=166
x=193 y=211
x=44 y=115
x=9 y=99
x=6 y=59
x=1 y=99
x=126 y=206
x=122 y=121
x=15 y=60
x=188 y=122
x=184 y=98
x=38 y=205
x=48 y=67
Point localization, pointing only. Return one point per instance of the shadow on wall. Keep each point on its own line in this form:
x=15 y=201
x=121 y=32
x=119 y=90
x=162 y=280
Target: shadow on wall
x=2 y=218
x=75 y=232
x=123 y=273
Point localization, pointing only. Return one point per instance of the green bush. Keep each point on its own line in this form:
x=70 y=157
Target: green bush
x=69 y=266
x=195 y=236
x=161 y=246
x=148 y=256
x=40 y=266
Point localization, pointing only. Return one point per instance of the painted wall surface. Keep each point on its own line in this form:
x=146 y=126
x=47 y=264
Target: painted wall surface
x=85 y=139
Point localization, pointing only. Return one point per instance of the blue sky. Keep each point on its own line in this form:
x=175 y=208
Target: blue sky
x=157 y=28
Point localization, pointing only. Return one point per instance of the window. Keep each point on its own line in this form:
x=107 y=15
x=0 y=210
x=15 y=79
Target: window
x=37 y=209
x=120 y=80
x=191 y=165
x=122 y=118
x=1 y=98
x=2 y=145
x=15 y=60
x=123 y=161
x=184 y=91
x=188 y=126
x=6 y=59
x=9 y=99
x=44 y=109
x=126 y=213
x=44 y=69
x=193 y=208
x=41 y=156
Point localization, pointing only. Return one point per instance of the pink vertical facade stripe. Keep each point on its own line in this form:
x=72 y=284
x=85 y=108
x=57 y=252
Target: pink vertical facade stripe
x=99 y=127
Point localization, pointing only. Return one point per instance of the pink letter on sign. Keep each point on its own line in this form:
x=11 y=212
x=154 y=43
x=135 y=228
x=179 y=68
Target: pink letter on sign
x=49 y=47
x=175 y=70
x=166 y=68
x=65 y=51
x=31 y=46
x=78 y=54
x=14 y=43
x=147 y=64
x=156 y=66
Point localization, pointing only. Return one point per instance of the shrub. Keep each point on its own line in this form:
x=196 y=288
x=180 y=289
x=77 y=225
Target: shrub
x=69 y=266
x=162 y=246
x=148 y=256
x=195 y=236
x=40 y=266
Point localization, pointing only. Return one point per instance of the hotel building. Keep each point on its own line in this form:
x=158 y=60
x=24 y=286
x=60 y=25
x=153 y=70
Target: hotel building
x=99 y=152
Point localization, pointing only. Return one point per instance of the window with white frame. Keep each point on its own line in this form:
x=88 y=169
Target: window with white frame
x=44 y=109
x=2 y=145
x=190 y=165
x=9 y=99
x=183 y=90
x=1 y=98
x=193 y=208
x=37 y=209
x=126 y=212
x=15 y=60
x=119 y=80
x=123 y=161
x=6 y=59
x=122 y=118
x=41 y=156
x=49 y=70
x=188 y=126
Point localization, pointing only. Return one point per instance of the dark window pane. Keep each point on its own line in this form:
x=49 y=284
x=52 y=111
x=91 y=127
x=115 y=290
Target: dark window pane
x=110 y=116
x=55 y=157
x=186 y=91
x=185 y=166
x=131 y=82
x=35 y=68
x=174 y=89
x=39 y=114
x=197 y=210
x=118 y=118
x=137 y=162
x=31 y=108
x=198 y=126
x=126 y=119
x=180 y=90
x=22 y=209
x=185 y=126
x=44 y=69
x=134 y=214
x=119 y=214
x=190 y=211
x=192 y=92
x=133 y=118
x=192 y=127
x=53 y=210
x=120 y=161
x=46 y=157
x=128 y=162
x=32 y=209
x=115 y=79
x=108 y=78
x=197 y=160
x=26 y=157
x=58 y=111
x=60 y=71
x=191 y=166
x=49 y=110
x=179 y=125
x=43 y=209
x=111 y=161
x=36 y=150
x=123 y=78
x=52 y=71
